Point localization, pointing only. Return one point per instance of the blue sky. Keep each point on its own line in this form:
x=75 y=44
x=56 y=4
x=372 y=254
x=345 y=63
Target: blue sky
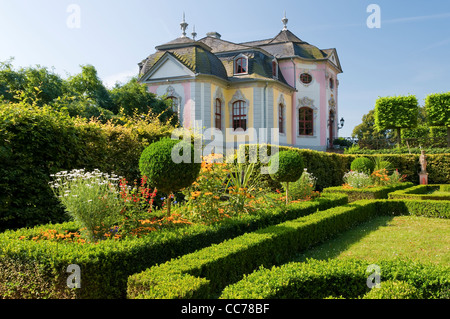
x=408 y=54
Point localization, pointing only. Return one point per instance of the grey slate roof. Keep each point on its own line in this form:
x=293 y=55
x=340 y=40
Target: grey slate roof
x=213 y=56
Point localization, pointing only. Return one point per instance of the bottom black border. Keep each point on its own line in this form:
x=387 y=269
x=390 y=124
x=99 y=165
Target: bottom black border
x=236 y=308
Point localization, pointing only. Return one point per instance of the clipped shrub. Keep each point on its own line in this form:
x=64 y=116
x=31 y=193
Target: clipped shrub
x=378 y=192
x=342 y=278
x=161 y=164
x=362 y=165
x=285 y=167
x=391 y=289
x=36 y=268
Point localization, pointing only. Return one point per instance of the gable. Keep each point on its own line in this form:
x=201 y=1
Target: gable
x=167 y=67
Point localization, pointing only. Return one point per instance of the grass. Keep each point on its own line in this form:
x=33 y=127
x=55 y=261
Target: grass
x=417 y=238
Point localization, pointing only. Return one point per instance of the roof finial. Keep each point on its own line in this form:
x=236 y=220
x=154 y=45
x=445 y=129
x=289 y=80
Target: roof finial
x=285 y=21
x=194 y=34
x=184 y=26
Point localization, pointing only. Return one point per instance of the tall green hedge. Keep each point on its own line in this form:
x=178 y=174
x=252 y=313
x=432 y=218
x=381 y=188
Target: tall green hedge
x=38 y=141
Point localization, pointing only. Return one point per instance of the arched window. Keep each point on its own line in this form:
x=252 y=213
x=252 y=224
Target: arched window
x=281 y=118
x=239 y=115
x=174 y=103
x=218 y=114
x=331 y=84
x=240 y=65
x=275 y=68
x=305 y=121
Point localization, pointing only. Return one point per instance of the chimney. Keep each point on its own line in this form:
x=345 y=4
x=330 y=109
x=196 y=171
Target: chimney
x=213 y=35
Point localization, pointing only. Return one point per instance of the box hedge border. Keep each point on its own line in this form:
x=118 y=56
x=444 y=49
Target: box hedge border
x=378 y=192
x=30 y=269
x=330 y=168
x=421 y=192
x=206 y=272
x=319 y=279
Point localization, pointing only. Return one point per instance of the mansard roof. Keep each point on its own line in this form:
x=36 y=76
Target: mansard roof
x=194 y=55
x=213 y=56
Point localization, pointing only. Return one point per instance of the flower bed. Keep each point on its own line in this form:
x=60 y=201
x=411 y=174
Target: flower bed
x=206 y=272
x=33 y=262
x=375 y=192
x=423 y=192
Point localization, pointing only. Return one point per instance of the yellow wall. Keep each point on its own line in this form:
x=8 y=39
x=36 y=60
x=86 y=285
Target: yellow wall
x=228 y=95
x=288 y=112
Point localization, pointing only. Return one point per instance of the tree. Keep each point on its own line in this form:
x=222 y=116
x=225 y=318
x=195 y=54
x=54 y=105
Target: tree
x=133 y=97
x=366 y=129
x=438 y=111
x=87 y=83
x=396 y=113
x=286 y=167
x=36 y=85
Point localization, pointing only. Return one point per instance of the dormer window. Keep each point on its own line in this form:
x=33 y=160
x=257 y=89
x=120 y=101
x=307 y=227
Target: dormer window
x=274 y=68
x=240 y=65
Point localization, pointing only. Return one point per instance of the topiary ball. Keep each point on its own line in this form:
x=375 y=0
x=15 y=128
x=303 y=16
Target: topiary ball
x=286 y=166
x=158 y=165
x=362 y=165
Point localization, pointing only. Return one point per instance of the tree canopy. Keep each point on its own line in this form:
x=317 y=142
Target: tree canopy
x=82 y=94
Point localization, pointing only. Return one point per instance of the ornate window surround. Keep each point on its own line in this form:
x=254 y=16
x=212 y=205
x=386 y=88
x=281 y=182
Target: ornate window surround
x=283 y=103
x=218 y=95
x=306 y=102
x=170 y=92
x=238 y=96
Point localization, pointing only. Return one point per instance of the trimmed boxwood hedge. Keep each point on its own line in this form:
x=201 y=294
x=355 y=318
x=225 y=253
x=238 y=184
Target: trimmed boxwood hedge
x=206 y=272
x=30 y=269
x=319 y=279
x=329 y=168
x=422 y=192
x=379 y=192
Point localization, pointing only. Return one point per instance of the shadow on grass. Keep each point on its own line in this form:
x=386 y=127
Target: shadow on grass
x=333 y=247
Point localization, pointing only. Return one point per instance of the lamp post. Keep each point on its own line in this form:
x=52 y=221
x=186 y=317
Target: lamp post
x=330 y=124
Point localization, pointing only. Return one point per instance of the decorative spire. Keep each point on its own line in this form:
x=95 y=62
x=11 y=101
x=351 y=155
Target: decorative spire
x=184 y=26
x=285 y=21
x=194 y=34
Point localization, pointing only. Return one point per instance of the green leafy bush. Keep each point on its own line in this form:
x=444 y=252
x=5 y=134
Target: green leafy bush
x=362 y=165
x=304 y=187
x=166 y=169
x=91 y=199
x=38 y=141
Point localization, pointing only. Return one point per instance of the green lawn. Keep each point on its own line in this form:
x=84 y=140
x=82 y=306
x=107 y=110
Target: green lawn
x=418 y=238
